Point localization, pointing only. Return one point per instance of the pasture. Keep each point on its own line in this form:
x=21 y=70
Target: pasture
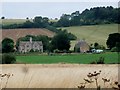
x=56 y=75
x=67 y=58
x=92 y=33
x=12 y=21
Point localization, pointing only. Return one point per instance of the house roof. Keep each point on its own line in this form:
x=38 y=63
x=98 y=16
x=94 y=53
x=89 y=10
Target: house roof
x=81 y=43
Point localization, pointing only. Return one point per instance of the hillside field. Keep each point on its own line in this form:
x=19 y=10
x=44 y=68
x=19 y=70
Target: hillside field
x=109 y=57
x=17 y=33
x=92 y=33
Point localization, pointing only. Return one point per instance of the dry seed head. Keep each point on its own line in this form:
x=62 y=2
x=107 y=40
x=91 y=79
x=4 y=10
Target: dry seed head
x=116 y=83
x=106 y=80
x=119 y=86
x=81 y=87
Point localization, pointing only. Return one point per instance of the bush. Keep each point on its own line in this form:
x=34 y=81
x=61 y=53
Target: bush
x=99 y=61
x=32 y=50
x=8 y=59
x=114 y=49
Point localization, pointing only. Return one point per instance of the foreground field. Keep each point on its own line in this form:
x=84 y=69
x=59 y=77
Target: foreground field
x=93 y=33
x=68 y=58
x=56 y=76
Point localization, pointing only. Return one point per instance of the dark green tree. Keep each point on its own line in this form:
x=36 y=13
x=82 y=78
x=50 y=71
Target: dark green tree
x=113 y=39
x=3 y=17
x=61 y=41
x=7 y=45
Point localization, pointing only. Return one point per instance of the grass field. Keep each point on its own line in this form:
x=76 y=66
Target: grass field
x=75 y=58
x=12 y=21
x=93 y=33
x=17 y=21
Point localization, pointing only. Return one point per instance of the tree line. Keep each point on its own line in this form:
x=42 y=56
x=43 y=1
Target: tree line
x=92 y=16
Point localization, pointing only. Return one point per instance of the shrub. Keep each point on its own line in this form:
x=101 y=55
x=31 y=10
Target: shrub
x=93 y=62
x=101 y=60
x=8 y=59
x=114 y=49
x=31 y=50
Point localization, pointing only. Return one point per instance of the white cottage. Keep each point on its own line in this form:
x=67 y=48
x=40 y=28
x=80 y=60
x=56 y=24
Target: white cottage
x=27 y=46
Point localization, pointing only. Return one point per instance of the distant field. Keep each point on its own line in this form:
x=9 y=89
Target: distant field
x=75 y=58
x=93 y=33
x=17 y=33
x=12 y=21
x=17 y=21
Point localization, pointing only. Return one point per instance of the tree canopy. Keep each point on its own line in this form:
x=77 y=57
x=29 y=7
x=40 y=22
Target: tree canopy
x=61 y=41
x=7 y=45
x=113 y=40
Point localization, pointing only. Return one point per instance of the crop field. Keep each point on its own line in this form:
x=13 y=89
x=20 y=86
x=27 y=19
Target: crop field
x=17 y=33
x=71 y=58
x=56 y=75
x=93 y=33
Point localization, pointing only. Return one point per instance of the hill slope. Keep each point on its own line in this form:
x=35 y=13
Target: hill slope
x=93 y=33
x=17 y=33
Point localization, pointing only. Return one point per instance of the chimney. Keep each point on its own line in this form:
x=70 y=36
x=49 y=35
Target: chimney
x=30 y=39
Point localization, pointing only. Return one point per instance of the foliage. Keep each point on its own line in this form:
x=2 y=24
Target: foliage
x=61 y=41
x=7 y=45
x=101 y=60
x=92 y=16
x=2 y=17
x=98 y=46
x=114 y=49
x=113 y=39
x=8 y=59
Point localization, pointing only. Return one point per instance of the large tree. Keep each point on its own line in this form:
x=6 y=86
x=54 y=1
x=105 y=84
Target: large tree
x=61 y=41
x=113 y=39
x=7 y=45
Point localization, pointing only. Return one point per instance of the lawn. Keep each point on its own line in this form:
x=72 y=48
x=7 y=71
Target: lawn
x=74 y=58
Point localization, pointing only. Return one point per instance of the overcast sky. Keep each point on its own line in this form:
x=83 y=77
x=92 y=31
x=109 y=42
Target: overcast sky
x=47 y=9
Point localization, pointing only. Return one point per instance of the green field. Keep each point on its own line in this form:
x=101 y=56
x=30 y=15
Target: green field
x=93 y=33
x=73 y=58
x=17 y=21
x=12 y=21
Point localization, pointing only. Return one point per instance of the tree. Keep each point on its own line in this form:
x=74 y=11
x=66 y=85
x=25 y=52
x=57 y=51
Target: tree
x=3 y=17
x=7 y=45
x=61 y=41
x=27 y=18
x=118 y=46
x=112 y=40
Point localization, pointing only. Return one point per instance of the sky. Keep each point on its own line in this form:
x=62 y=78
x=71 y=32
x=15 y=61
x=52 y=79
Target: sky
x=12 y=10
